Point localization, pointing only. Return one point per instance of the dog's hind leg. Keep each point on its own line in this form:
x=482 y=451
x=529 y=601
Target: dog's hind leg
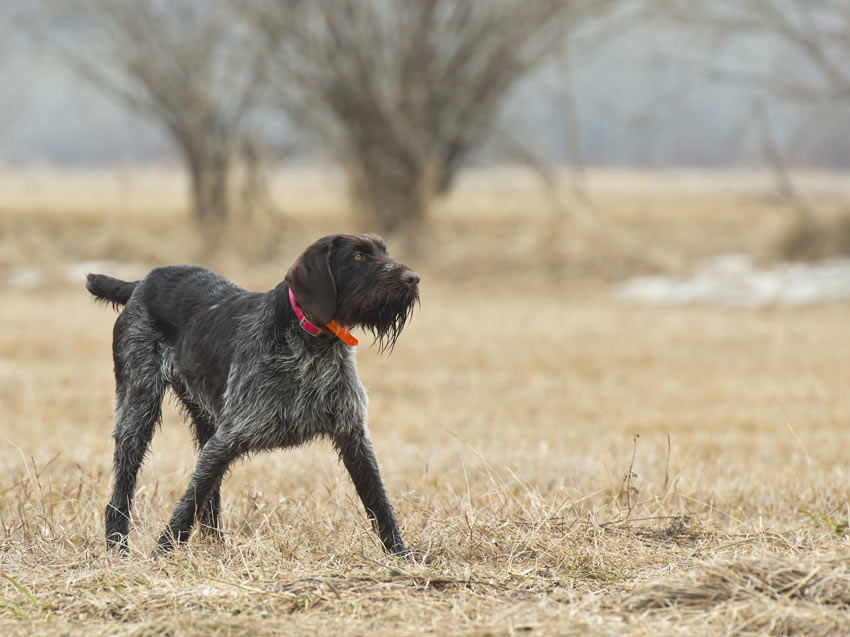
x=359 y=459
x=139 y=393
x=212 y=464
x=209 y=517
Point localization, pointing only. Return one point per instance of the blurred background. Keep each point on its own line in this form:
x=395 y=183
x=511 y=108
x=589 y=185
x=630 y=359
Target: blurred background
x=632 y=222
x=257 y=120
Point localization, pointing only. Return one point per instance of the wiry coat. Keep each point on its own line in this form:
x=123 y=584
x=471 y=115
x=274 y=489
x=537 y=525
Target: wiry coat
x=249 y=377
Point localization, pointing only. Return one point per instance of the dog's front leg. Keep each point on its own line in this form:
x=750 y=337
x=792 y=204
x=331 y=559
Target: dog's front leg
x=359 y=459
x=212 y=464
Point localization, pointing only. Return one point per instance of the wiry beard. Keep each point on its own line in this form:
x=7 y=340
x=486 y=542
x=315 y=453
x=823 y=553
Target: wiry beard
x=384 y=313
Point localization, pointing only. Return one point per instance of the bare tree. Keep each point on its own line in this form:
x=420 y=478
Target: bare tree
x=557 y=87
x=403 y=92
x=811 y=41
x=183 y=64
x=806 y=69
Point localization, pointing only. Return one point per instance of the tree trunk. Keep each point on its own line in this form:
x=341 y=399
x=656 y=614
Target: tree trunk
x=209 y=175
x=392 y=194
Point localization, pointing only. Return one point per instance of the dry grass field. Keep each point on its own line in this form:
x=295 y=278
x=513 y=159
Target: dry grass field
x=561 y=461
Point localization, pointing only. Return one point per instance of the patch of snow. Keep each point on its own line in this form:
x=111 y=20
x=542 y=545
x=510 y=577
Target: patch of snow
x=75 y=273
x=733 y=280
x=23 y=277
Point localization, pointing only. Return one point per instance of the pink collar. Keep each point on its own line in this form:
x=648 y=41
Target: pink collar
x=302 y=319
x=337 y=330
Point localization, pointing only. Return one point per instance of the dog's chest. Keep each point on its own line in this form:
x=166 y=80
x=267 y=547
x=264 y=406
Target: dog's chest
x=320 y=391
x=291 y=395
x=329 y=383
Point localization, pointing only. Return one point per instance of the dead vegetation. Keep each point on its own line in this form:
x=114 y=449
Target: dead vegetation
x=560 y=461
x=813 y=241
x=766 y=595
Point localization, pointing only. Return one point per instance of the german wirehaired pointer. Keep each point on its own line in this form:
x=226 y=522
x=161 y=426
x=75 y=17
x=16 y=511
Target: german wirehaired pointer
x=254 y=371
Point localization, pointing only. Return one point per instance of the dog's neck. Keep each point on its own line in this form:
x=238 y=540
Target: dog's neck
x=314 y=330
x=303 y=321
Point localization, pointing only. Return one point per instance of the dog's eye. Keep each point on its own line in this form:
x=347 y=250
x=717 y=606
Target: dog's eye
x=358 y=256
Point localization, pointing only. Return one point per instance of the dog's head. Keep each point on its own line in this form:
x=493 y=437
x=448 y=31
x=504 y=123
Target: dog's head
x=352 y=279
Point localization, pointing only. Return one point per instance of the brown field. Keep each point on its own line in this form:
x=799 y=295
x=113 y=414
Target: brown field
x=561 y=461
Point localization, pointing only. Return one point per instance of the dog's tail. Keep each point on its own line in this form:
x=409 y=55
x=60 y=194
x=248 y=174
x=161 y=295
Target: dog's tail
x=110 y=290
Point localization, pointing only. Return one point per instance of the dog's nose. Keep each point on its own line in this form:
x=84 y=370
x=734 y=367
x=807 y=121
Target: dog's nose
x=410 y=278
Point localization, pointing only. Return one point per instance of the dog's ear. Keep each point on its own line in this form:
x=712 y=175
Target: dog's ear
x=311 y=279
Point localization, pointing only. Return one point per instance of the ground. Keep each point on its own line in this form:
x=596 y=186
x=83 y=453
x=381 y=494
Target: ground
x=560 y=460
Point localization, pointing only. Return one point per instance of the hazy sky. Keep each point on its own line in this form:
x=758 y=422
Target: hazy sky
x=630 y=110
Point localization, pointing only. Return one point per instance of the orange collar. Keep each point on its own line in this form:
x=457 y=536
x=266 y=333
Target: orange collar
x=342 y=333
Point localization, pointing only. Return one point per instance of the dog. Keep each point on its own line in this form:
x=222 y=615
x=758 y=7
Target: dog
x=253 y=371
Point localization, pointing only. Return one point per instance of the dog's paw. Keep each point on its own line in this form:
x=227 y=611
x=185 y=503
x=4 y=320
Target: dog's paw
x=170 y=538
x=117 y=543
x=165 y=543
x=400 y=551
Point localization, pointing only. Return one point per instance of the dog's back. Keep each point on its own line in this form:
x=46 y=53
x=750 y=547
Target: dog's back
x=172 y=296
x=179 y=325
